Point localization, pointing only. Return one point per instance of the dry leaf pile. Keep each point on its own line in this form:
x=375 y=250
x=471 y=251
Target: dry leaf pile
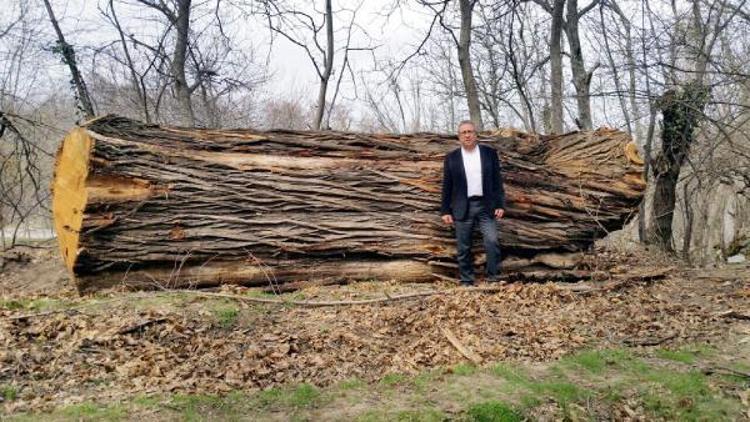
x=116 y=352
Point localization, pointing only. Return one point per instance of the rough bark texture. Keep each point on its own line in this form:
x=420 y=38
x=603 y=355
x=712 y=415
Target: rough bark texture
x=145 y=204
x=682 y=111
x=464 y=60
x=556 y=73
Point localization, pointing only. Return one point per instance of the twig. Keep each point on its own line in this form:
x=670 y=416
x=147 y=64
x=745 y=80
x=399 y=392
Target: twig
x=722 y=370
x=467 y=353
x=734 y=314
x=140 y=325
x=306 y=303
x=303 y=303
x=649 y=341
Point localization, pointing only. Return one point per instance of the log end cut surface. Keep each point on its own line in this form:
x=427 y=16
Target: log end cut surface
x=69 y=190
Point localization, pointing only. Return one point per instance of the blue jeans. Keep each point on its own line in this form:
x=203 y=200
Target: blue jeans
x=464 y=230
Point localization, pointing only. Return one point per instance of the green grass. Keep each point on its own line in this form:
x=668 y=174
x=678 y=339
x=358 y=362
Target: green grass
x=584 y=385
x=88 y=411
x=513 y=375
x=423 y=380
x=352 y=384
x=562 y=392
x=598 y=361
x=300 y=396
x=464 y=369
x=146 y=401
x=226 y=315
x=194 y=407
x=269 y=397
x=493 y=411
x=35 y=305
x=683 y=396
x=419 y=415
x=391 y=380
x=304 y=395
x=8 y=392
x=676 y=355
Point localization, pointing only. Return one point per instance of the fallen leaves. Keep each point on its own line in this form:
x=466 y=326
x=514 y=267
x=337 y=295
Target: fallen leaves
x=67 y=356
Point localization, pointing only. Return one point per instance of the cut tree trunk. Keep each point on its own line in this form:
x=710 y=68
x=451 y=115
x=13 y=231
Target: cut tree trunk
x=149 y=206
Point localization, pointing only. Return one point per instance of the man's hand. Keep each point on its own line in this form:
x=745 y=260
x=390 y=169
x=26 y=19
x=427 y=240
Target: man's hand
x=499 y=213
x=447 y=219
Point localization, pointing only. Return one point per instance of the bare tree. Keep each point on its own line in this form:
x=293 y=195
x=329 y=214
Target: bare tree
x=683 y=110
x=69 y=58
x=464 y=59
x=178 y=17
x=289 y=21
x=197 y=75
x=137 y=80
x=581 y=76
x=556 y=72
x=625 y=90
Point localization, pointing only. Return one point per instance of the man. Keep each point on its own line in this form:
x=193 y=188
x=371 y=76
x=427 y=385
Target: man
x=473 y=193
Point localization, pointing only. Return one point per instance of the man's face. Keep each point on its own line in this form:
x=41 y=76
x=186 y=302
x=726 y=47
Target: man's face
x=467 y=135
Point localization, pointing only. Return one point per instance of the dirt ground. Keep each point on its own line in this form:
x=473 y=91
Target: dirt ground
x=58 y=348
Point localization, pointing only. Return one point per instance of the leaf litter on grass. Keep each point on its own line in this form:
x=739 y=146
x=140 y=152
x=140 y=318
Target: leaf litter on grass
x=121 y=350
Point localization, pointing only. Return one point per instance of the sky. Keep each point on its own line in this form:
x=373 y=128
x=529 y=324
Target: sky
x=395 y=36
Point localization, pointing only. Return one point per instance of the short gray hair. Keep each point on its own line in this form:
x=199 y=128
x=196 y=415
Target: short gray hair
x=465 y=122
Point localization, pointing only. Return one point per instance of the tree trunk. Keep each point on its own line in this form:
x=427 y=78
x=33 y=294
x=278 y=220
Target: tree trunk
x=681 y=111
x=145 y=205
x=581 y=77
x=327 y=68
x=69 y=58
x=556 y=73
x=183 y=91
x=464 y=60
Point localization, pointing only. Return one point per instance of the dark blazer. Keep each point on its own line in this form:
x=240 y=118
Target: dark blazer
x=455 y=200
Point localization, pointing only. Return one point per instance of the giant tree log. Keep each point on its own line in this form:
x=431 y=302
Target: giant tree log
x=146 y=205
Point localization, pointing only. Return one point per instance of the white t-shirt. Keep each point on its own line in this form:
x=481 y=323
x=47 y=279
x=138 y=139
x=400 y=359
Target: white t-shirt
x=473 y=169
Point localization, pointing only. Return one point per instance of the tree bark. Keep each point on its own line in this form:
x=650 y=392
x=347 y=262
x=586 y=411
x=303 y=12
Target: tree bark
x=464 y=61
x=556 y=72
x=581 y=77
x=146 y=205
x=325 y=77
x=681 y=111
x=183 y=92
